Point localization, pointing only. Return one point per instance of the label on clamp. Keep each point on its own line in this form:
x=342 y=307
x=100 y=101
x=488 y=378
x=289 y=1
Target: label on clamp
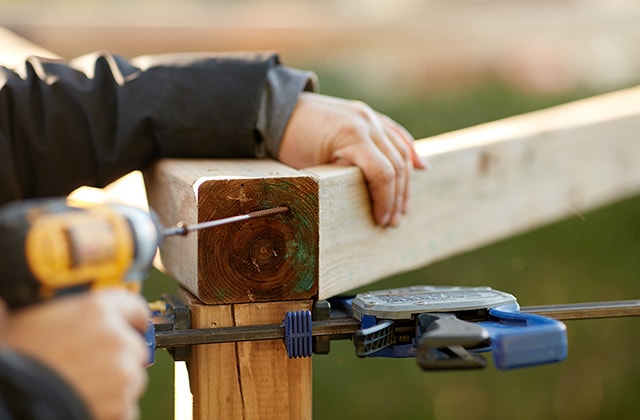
x=402 y=303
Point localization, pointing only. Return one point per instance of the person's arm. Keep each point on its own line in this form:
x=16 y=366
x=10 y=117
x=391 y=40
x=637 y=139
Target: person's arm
x=30 y=390
x=93 y=120
x=89 y=123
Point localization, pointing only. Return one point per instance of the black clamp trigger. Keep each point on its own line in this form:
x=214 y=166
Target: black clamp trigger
x=445 y=340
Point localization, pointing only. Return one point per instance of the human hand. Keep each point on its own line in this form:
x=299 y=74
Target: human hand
x=93 y=340
x=324 y=129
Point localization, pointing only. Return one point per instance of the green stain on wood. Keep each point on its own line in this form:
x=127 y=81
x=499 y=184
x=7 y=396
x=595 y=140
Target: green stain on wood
x=222 y=293
x=305 y=263
x=302 y=249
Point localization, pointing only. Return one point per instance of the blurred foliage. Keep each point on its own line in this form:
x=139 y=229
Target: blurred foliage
x=428 y=113
x=587 y=257
x=577 y=260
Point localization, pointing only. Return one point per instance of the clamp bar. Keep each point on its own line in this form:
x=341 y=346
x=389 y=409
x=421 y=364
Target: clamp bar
x=336 y=328
x=587 y=310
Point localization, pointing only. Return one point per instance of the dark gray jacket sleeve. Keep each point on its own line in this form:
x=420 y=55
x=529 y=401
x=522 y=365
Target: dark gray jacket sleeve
x=31 y=391
x=96 y=118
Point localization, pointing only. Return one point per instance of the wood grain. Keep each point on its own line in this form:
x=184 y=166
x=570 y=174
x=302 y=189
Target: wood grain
x=247 y=380
x=259 y=260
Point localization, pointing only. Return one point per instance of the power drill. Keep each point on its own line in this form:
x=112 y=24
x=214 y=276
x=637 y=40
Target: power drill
x=52 y=247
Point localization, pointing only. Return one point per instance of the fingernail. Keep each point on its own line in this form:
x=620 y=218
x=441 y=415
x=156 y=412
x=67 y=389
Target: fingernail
x=426 y=164
x=385 y=219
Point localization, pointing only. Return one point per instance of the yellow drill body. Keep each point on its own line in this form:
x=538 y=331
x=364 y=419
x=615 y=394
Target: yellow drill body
x=51 y=247
x=91 y=246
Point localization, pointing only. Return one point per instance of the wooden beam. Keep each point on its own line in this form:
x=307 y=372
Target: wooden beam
x=487 y=183
x=261 y=260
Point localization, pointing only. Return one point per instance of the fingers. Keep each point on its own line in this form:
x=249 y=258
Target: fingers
x=325 y=129
x=390 y=193
x=380 y=176
x=387 y=173
x=387 y=158
x=416 y=161
x=131 y=306
x=131 y=311
x=135 y=385
x=128 y=313
x=402 y=141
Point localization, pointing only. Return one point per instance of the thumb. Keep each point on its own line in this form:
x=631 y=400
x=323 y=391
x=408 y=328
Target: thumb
x=131 y=306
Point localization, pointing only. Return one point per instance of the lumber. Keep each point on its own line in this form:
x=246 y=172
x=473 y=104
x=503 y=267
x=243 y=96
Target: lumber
x=247 y=380
x=261 y=260
x=486 y=183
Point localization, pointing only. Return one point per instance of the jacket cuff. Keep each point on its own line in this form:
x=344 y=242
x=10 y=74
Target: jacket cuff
x=283 y=86
x=30 y=390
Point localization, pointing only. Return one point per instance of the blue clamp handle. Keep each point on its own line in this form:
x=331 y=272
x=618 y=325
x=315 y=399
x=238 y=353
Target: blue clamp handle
x=150 y=340
x=520 y=339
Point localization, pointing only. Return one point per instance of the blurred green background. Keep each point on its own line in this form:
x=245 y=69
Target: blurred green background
x=434 y=66
x=594 y=256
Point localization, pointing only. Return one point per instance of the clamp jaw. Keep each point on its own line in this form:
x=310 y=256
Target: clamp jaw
x=168 y=315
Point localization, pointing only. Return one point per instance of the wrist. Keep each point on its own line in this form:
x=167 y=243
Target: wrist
x=278 y=101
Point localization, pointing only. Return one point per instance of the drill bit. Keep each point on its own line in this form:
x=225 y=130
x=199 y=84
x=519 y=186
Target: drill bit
x=183 y=229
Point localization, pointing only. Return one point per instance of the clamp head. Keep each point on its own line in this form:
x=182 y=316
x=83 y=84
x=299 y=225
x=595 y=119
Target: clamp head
x=446 y=327
x=403 y=303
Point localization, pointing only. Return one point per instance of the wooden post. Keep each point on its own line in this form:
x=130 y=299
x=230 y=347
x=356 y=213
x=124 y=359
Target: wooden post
x=248 y=380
